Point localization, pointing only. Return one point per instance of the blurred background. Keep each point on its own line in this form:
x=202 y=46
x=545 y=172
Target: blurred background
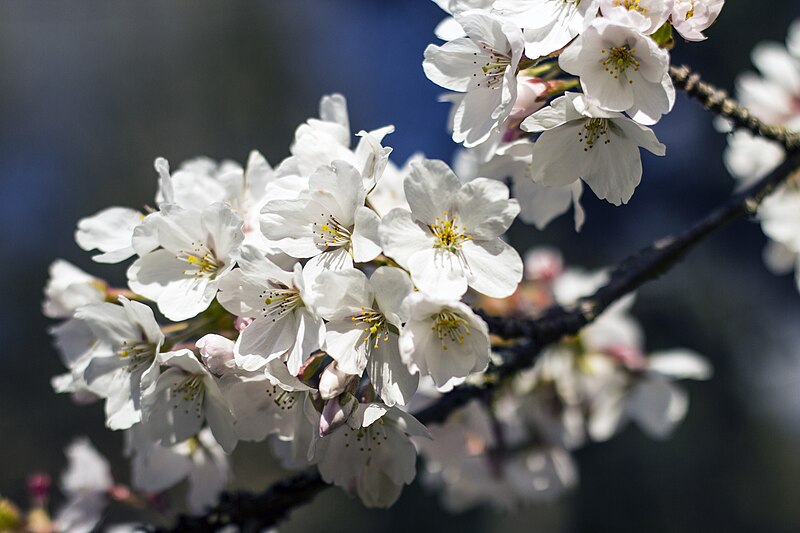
x=92 y=91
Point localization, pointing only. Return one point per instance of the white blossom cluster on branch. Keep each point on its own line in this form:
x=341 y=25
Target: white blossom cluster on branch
x=317 y=304
x=774 y=97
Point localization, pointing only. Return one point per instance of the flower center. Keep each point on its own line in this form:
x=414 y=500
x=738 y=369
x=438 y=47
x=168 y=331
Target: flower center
x=365 y=438
x=280 y=301
x=136 y=353
x=201 y=261
x=330 y=232
x=631 y=5
x=593 y=130
x=284 y=400
x=188 y=391
x=449 y=235
x=375 y=327
x=619 y=60
x=495 y=67
x=450 y=327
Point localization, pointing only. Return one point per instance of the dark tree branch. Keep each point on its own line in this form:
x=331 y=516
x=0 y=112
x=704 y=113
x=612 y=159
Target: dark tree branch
x=253 y=512
x=717 y=100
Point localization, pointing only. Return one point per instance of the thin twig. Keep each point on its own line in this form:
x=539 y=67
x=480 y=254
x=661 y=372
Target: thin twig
x=717 y=100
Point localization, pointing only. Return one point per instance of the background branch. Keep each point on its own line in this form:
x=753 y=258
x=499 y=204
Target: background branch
x=253 y=512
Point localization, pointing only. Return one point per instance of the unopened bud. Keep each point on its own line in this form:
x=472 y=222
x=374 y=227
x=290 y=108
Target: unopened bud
x=531 y=97
x=543 y=265
x=216 y=352
x=333 y=382
x=242 y=322
x=39 y=488
x=630 y=356
x=9 y=515
x=336 y=412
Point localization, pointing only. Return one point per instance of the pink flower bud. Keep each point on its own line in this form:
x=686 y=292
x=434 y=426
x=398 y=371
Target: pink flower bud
x=630 y=356
x=336 y=412
x=531 y=97
x=39 y=488
x=333 y=382
x=242 y=322
x=543 y=264
x=217 y=353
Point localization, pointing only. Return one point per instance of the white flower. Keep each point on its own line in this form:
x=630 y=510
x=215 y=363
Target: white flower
x=197 y=248
x=388 y=194
x=109 y=231
x=581 y=141
x=539 y=204
x=200 y=460
x=773 y=97
x=266 y=403
x=330 y=224
x=449 y=29
x=69 y=288
x=484 y=66
x=691 y=17
x=443 y=339
x=365 y=316
x=549 y=25
x=86 y=484
x=185 y=395
x=749 y=158
x=621 y=70
x=121 y=364
x=655 y=403
x=284 y=326
x=372 y=455
x=779 y=214
x=450 y=239
x=793 y=39
x=644 y=16
x=322 y=141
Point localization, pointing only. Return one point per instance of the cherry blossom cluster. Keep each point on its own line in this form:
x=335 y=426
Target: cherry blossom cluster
x=300 y=304
x=516 y=448
x=774 y=97
x=315 y=305
x=553 y=92
x=310 y=305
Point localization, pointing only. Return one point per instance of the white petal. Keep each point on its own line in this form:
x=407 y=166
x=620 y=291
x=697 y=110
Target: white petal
x=401 y=236
x=485 y=209
x=493 y=267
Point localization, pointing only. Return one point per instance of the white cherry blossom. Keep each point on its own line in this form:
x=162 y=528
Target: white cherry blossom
x=621 y=70
x=86 y=483
x=320 y=142
x=69 y=288
x=691 y=18
x=266 y=403
x=644 y=16
x=197 y=249
x=372 y=454
x=365 y=316
x=110 y=231
x=451 y=237
x=549 y=25
x=285 y=326
x=330 y=224
x=200 y=460
x=578 y=140
x=443 y=339
x=186 y=395
x=122 y=362
x=483 y=65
